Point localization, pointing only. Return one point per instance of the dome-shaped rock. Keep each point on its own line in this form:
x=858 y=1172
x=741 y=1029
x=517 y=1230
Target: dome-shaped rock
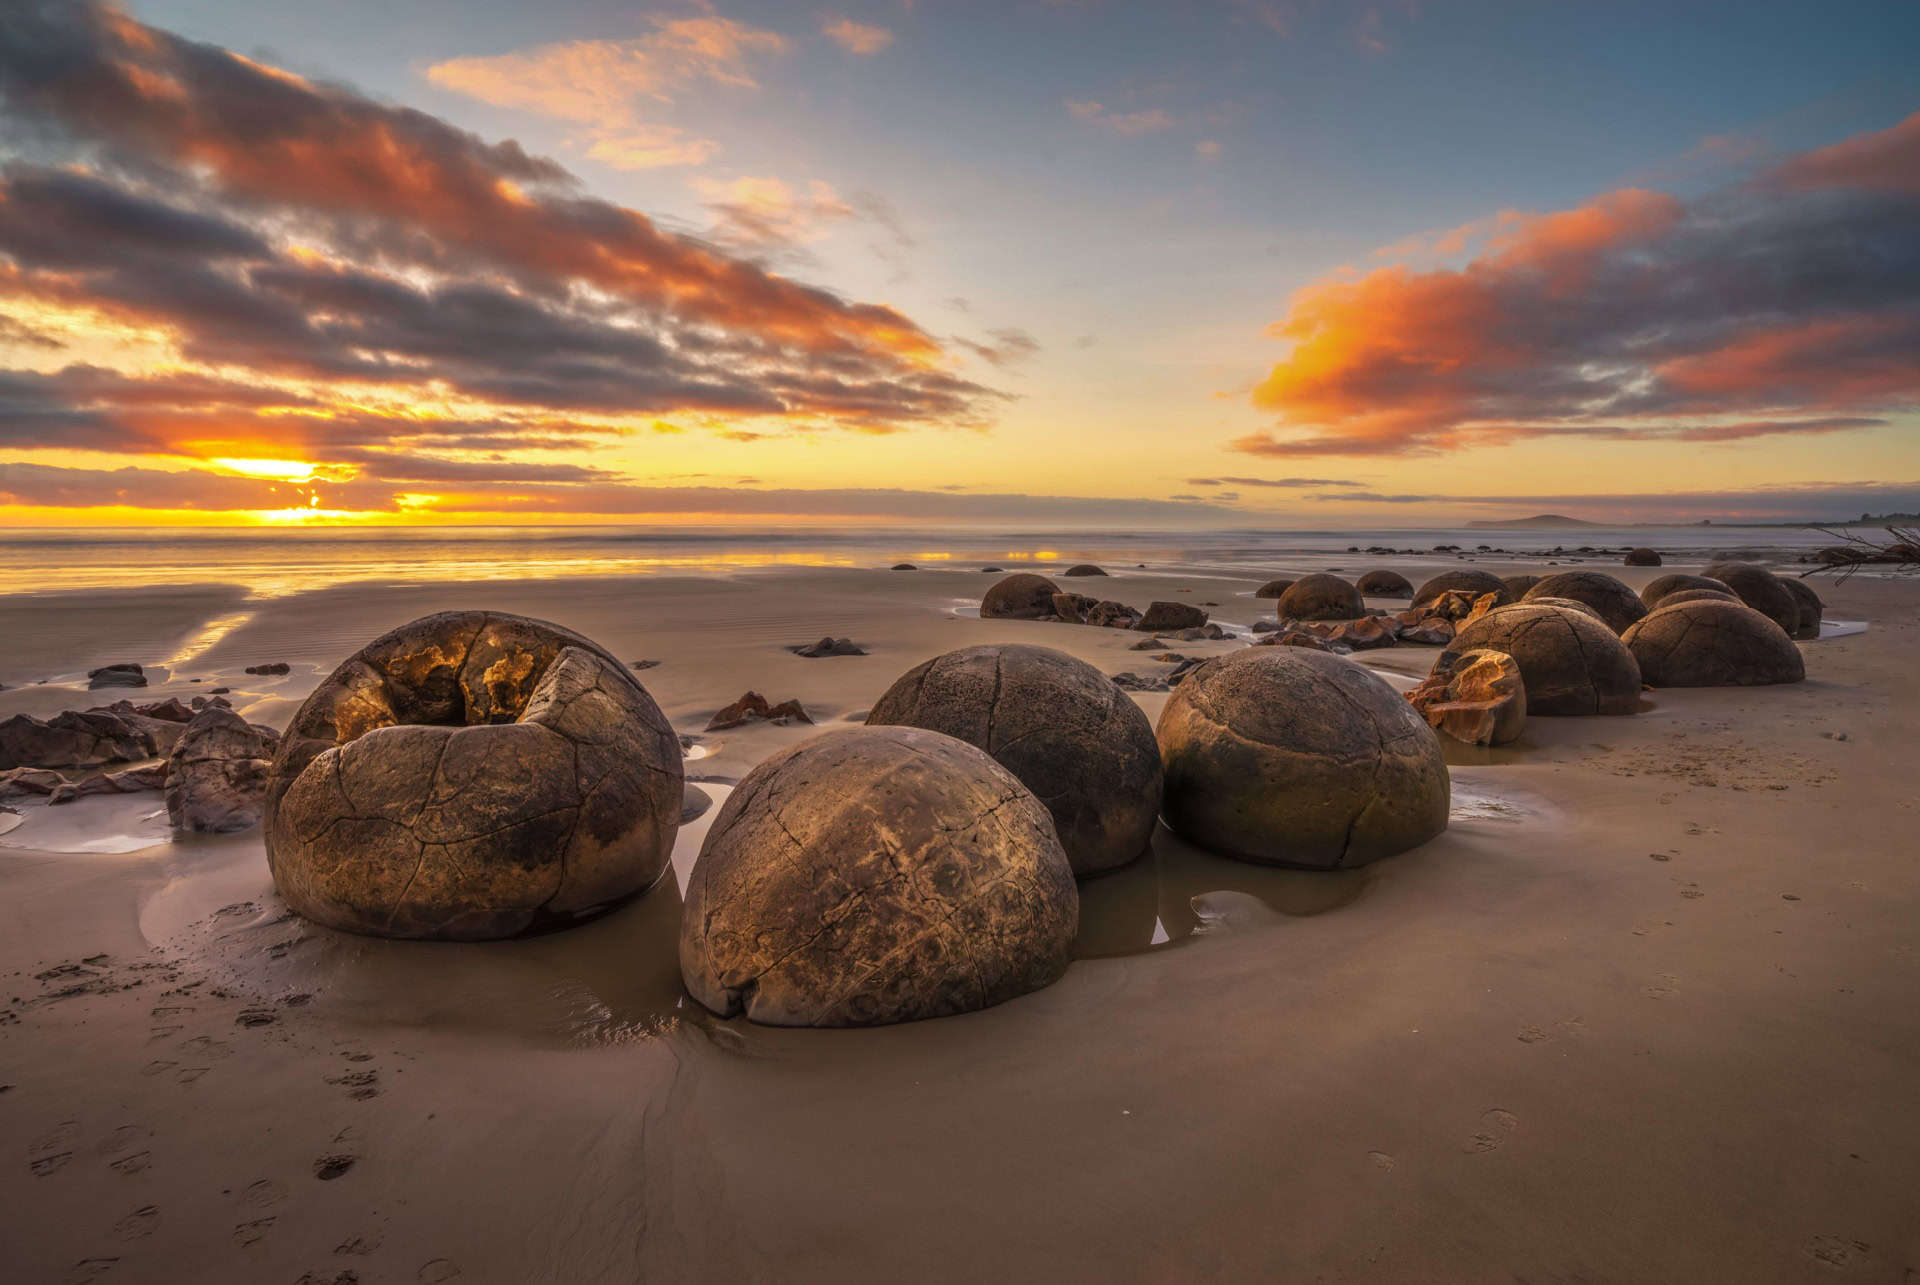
x=1697 y=595
x=1584 y=608
x=874 y=875
x=1083 y=569
x=1321 y=597
x=1659 y=587
x=1021 y=596
x=1713 y=644
x=1384 y=584
x=1570 y=661
x=1618 y=605
x=1273 y=588
x=1517 y=586
x=1471 y=583
x=1811 y=608
x=1641 y=558
x=1294 y=757
x=1760 y=589
x=467 y=775
x=1079 y=742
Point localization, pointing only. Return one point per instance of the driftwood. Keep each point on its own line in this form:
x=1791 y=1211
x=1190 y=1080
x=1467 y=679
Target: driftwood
x=1900 y=549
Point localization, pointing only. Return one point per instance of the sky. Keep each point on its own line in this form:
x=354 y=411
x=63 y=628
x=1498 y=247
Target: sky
x=1303 y=263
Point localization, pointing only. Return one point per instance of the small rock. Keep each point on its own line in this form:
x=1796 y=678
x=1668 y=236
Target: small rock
x=124 y=675
x=271 y=668
x=753 y=708
x=829 y=647
x=642 y=664
x=904 y=566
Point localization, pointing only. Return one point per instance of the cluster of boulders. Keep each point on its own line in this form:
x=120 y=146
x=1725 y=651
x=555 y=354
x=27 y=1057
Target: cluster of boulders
x=1026 y=596
x=213 y=773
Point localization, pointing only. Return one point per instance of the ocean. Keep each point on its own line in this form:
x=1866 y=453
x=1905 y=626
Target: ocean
x=272 y=563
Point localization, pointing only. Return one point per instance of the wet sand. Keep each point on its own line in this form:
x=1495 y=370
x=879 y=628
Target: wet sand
x=1644 y=1013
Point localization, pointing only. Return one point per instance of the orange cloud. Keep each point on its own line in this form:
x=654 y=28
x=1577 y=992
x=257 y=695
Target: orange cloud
x=1634 y=315
x=856 y=37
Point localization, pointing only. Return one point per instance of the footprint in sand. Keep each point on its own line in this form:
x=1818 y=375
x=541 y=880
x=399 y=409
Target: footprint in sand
x=138 y=1224
x=158 y=1033
x=327 y=1168
x=1381 y=1161
x=264 y=1194
x=1496 y=1126
x=247 y=1234
x=1532 y=1035
x=1661 y=987
x=346 y=1276
x=125 y=1138
x=188 y=1074
x=360 y=1085
x=127 y=1166
x=435 y=1270
x=90 y=1269
x=206 y=1046
x=1837 y=1251
x=52 y=1149
x=157 y=1068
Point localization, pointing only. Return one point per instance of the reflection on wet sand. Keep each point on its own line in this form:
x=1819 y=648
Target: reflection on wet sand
x=1151 y=903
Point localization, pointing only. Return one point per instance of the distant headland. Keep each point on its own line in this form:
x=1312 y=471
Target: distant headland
x=1539 y=520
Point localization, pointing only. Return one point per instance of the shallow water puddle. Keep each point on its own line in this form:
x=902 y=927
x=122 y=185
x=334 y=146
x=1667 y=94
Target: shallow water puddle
x=1175 y=889
x=1841 y=628
x=94 y=824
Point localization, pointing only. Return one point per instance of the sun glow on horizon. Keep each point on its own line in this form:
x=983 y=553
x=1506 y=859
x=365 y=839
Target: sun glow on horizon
x=278 y=470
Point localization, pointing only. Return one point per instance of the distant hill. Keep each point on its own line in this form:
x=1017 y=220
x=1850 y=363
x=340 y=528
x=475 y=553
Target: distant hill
x=1550 y=520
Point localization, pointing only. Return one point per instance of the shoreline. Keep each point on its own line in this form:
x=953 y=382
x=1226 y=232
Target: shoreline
x=1642 y=1012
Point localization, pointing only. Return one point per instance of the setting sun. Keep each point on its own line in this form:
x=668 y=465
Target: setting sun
x=278 y=470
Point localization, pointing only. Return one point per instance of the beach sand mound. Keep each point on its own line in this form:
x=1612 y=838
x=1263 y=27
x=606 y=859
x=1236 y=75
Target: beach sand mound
x=468 y=775
x=876 y=875
x=1713 y=644
x=1289 y=756
x=1059 y=725
x=1569 y=660
x=1321 y=597
x=1021 y=596
x=1616 y=604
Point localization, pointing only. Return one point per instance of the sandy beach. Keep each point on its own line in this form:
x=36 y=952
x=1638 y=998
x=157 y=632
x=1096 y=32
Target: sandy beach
x=1643 y=1013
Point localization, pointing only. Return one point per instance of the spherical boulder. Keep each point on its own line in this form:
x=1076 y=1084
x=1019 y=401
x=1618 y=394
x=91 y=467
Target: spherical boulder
x=875 y=875
x=1293 y=757
x=1517 y=586
x=1660 y=586
x=1697 y=595
x=1384 y=584
x=1273 y=588
x=470 y=775
x=1570 y=661
x=1321 y=597
x=1618 y=605
x=1573 y=604
x=1062 y=727
x=1760 y=589
x=1021 y=596
x=1471 y=583
x=1811 y=608
x=1713 y=644
x=1083 y=569
x=1641 y=558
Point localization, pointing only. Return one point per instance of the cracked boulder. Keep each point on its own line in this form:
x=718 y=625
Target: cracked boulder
x=1617 y=605
x=1517 y=586
x=1385 y=584
x=1713 y=644
x=876 y=875
x=1477 y=697
x=1167 y=617
x=1021 y=596
x=1570 y=662
x=1679 y=596
x=1471 y=583
x=1760 y=589
x=1273 y=588
x=1811 y=608
x=468 y=776
x=216 y=777
x=1321 y=597
x=1294 y=757
x=1063 y=728
x=1657 y=589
